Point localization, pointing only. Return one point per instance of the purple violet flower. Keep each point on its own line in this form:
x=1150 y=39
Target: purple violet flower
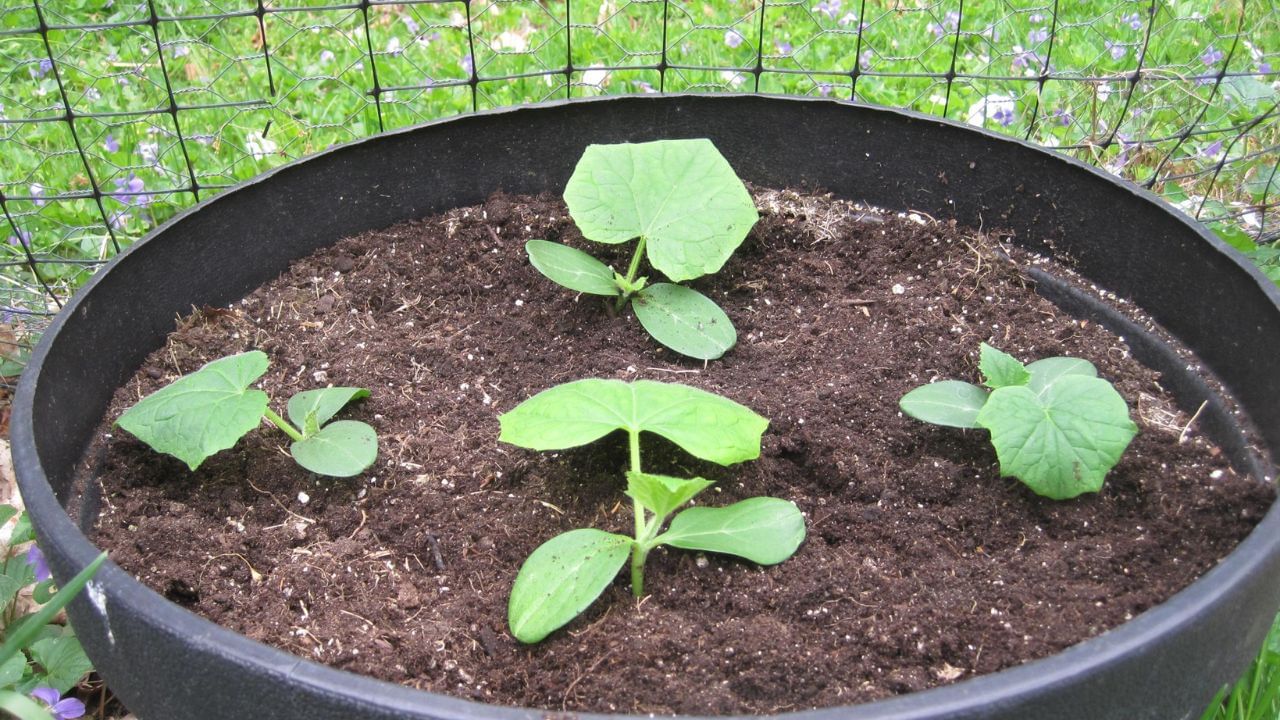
x=951 y=21
x=409 y=24
x=181 y=51
x=61 y=708
x=1212 y=150
x=119 y=219
x=1212 y=56
x=130 y=190
x=1004 y=116
x=1134 y=21
x=644 y=86
x=733 y=38
x=22 y=238
x=468 y=64
x=111 y=144
x=149 y=152
x=326 y=57
x=1118 y=50
x=1036 y=18
x=1264 y=68
x=41 y=69
x=824 y=89
x=782 y=46
x=1063 y=117
x=831 y=8
x=37 y=194
x=864 y=60
x=1038 y=35
x=39 y=566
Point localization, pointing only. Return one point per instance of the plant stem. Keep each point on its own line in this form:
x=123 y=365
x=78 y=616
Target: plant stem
x=632 y=269
x=639 y=550
x=286 y=427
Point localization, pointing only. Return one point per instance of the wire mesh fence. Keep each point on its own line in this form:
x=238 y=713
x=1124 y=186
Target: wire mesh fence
x=115 y=114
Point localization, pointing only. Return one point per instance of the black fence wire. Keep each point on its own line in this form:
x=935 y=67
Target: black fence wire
x=115 y=114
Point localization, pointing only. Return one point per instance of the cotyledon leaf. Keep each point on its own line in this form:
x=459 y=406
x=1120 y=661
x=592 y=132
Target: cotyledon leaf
x=763 y=530
x=571 y=268
x=340 y=449
x=684 y=320
x=952 y=403
x=561 y=578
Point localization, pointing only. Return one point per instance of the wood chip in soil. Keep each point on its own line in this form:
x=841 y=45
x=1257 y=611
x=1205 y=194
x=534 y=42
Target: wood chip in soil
x=922 y=565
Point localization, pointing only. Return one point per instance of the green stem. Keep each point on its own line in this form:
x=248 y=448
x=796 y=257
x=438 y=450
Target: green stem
x=639 y=551
x=631 y=276
x=286 y=427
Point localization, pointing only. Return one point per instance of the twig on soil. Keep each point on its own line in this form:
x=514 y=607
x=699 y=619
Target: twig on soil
x=1186 y=431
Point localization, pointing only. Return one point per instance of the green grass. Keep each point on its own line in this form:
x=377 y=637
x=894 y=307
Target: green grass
x=1257 y=695
x=254 y=95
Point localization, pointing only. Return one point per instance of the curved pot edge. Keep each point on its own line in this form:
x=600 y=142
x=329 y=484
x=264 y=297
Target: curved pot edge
x=1096 y=652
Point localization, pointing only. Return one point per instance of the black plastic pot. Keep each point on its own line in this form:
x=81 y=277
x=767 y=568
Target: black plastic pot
x=168 y=664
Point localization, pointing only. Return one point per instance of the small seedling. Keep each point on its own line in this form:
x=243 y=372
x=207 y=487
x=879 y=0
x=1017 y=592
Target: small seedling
x=687 y=210
x=1055 y=425
x=568 y=572
x=210 y=409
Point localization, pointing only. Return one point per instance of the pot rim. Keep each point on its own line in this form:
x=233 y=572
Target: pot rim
x=965 y=696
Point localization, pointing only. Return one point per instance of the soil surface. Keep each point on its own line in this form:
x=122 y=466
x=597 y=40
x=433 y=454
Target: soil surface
x=922 y=565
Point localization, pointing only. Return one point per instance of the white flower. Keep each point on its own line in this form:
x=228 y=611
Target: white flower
x=259 y=147
x=595 y=76
x=991 y=107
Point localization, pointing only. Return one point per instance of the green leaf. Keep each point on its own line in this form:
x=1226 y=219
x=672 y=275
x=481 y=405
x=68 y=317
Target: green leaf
x=22 y=531
x=561 y=578
x=7 y=512
x=662 y=494
x=684 y=320
x=571 y=268
x=11 y=670
x=325 y=403
x=705 y=425
x=1063 y=442
x=1000 y=369
x=17 y=575
x=952 y=403
x=1234 y=235
x=1265 y=183
x=204 y=412
x=19 y=636
x=1046 y=372
x=63 y=660
x=341 y=449
x=763 y=530
x=681 y=195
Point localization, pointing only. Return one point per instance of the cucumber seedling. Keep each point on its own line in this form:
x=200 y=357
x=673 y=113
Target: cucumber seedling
x=1055 y=425
x=210 y=409
x=687 y=211
x=564 y=575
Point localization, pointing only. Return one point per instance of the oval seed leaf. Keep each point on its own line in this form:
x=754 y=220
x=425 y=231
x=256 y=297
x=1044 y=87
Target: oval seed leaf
x=681 y=195
x=706 y=425
x=325 y=403
x=201 y=413
x=1049 y=370
x=1062 y=442
x=1000 y=369
x=341 y=449
x=662 y=494
x=571 y=268
x=947 y=402
x=763 y=530
x=561 y=578
x=684 y=320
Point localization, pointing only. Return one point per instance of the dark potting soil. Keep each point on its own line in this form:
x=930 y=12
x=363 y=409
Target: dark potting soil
x=922 y=565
